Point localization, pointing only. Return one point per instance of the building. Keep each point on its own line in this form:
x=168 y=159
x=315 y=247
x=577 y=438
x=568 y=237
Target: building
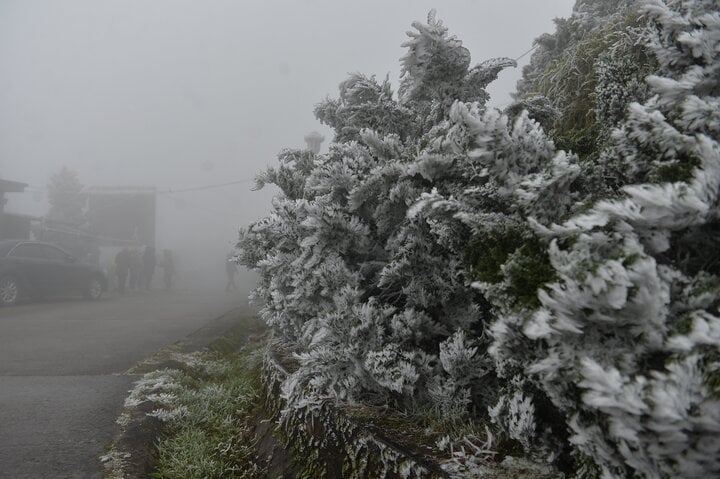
x=12 y=226
x=7 y=186
x=122 y=215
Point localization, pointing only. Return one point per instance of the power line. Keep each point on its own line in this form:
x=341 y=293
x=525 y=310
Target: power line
x=169 y=196
x=516 y=59
x=248 y=180
x=206 y=187
x=173 y=190
x=524 y=54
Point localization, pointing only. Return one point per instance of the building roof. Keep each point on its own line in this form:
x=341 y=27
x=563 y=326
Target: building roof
x=7 y=186
x=23 y=216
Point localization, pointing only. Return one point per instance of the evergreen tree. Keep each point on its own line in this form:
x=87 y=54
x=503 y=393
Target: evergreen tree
x=65 y=197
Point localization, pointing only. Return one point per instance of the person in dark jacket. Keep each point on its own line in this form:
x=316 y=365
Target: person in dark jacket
x=136 y=269
x=149 y=262
x=168 y=265
x=122 y=268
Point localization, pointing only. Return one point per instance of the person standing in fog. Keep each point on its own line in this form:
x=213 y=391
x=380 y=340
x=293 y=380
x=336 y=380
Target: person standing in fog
x=122 y=268
x=231 y=270
x=149 y=263
x=168 y=265
x=136 y=269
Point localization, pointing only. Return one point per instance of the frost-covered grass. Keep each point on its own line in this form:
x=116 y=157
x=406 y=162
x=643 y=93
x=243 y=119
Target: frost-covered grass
x=115 y=463
x=193 y=407
x=205 y=408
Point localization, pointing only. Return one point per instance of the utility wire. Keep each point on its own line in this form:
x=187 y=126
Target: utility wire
x=516 y=59
x=173 y=190
x=246 y=180
x=169 y=196
x=524 y=54
x=206 y=187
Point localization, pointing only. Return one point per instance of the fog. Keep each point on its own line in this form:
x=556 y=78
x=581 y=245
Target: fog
x=179 y=94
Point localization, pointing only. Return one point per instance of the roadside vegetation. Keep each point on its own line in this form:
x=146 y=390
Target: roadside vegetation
x=205 y=408
x=549 y=271
x=194 y=411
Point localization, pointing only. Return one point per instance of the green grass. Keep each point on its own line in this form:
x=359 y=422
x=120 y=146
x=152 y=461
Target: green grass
x=206 y=415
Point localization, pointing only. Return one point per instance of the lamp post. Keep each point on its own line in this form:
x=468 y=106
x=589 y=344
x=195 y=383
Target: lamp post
x=314 y=140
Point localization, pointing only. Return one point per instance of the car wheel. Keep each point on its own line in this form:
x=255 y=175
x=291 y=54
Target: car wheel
x=94 y=289
x=9 y=290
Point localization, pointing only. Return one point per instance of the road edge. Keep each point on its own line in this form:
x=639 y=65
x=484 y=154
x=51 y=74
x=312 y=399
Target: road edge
x=130 y=454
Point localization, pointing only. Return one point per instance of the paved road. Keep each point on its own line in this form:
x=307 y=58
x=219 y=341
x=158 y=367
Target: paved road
x=62 y=365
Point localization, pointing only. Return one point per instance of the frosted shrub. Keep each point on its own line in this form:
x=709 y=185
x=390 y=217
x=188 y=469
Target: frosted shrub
x=452 y=257
x=610 y=336
x=366 y=292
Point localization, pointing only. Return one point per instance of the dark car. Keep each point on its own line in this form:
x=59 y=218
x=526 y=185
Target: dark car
x=35 y=269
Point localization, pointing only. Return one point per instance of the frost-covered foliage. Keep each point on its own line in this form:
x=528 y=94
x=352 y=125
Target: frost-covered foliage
x=580 y=81
x=375 y=299
x=448 y=256
x=435 y=73
x=628 y=290
x=325 y=439
x=568 y=65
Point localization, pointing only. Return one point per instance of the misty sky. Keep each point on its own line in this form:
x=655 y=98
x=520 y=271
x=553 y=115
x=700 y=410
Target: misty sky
x=181 y=93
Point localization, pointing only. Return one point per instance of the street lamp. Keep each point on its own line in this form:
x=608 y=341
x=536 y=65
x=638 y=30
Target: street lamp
x=314 y=140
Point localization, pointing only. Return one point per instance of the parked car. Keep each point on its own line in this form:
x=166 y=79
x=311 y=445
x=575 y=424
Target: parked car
x=35 y=269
